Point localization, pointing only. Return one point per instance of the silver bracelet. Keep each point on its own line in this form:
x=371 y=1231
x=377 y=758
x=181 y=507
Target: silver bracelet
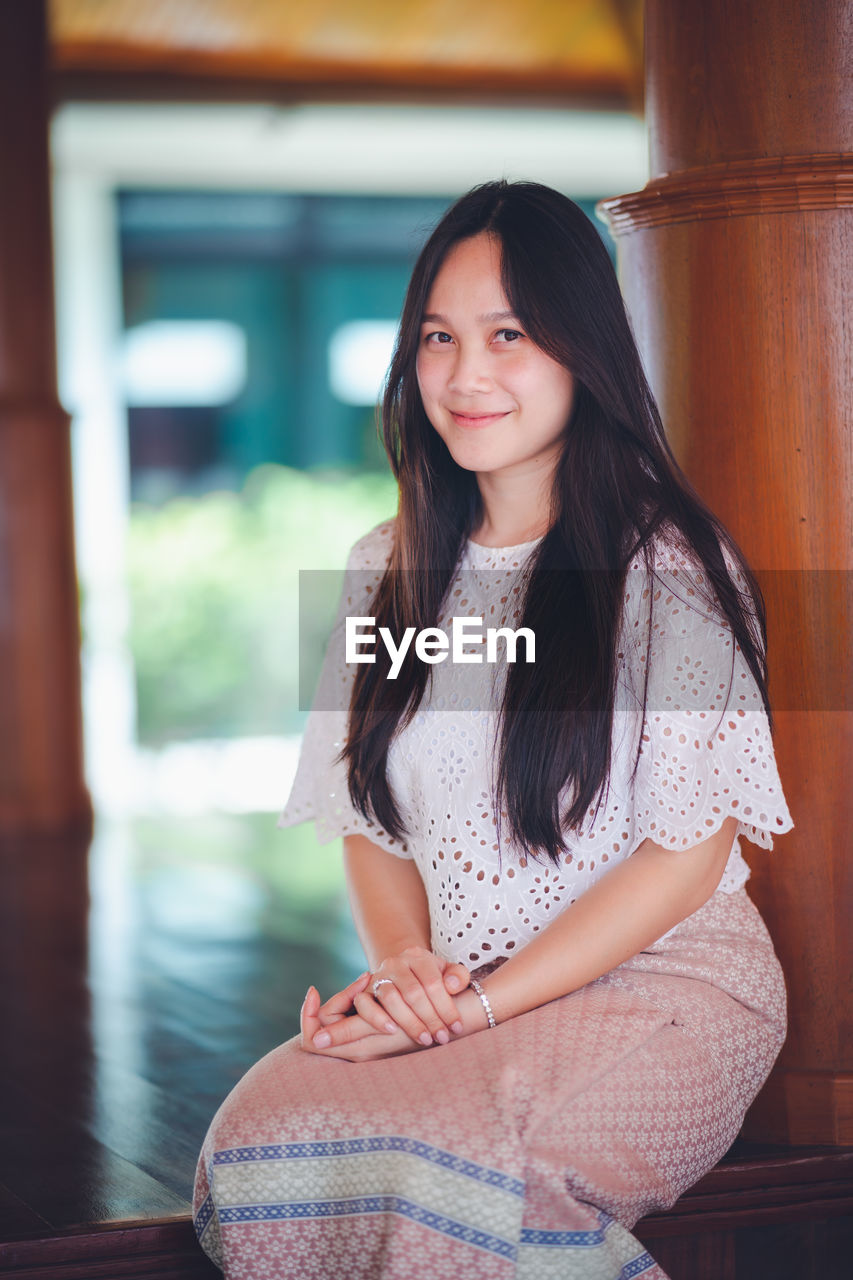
x=484 y=1000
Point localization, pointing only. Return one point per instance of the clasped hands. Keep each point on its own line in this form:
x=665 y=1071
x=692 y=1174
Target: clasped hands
x=419 y=1006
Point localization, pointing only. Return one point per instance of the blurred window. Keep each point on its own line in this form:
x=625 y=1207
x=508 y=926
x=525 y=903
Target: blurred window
x=259 y=328
x=359 y=355
x=183 y=362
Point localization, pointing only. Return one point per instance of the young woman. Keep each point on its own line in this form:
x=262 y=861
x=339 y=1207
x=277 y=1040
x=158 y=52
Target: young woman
x=571 y=1001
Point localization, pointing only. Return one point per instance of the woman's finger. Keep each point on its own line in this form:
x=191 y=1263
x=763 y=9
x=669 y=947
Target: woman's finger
x=327 y=1019
x=309 y=1021
x=312 y=1021
x=456 y=978
x=369 y=1047
x=344 y=1032
x=340 y=1003
x=402 y=1011
x=373 y=1012
x=436 y=1007
x=316 y=1037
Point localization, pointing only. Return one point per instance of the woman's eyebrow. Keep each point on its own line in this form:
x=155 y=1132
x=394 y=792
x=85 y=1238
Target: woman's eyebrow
x=491 y=317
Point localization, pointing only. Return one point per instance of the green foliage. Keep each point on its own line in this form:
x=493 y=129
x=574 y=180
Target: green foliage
x=300 y=886
x=214 y=596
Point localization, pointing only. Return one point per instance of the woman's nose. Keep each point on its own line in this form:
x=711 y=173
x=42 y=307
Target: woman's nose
x=470 y=371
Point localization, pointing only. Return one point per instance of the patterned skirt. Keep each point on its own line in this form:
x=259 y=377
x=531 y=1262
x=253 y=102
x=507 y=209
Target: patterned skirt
x=527 y=1152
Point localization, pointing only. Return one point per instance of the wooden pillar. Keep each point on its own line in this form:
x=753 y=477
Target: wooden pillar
x=41 y=758
x=736 y=261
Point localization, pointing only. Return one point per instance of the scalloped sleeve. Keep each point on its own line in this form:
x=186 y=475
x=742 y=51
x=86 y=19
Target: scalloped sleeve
x=319 y=790
x=706 y=751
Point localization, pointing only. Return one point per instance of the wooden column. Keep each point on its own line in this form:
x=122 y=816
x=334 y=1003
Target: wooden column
x=41 y=764
x=737 y=261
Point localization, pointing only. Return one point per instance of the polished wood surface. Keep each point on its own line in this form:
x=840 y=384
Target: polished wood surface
x=128 y=1251
x=729 y=81
x=135 y=990
x=41 y=765
x=736 y=261
x=578 y=51
x=134 y=994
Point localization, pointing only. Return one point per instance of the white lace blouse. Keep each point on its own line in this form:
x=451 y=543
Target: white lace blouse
x=706 y=751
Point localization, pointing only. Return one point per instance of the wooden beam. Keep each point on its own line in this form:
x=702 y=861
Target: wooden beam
x=92 y=75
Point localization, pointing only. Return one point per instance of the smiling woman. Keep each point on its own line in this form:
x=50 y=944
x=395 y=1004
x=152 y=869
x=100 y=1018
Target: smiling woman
x=499 y=403
x=570 y=999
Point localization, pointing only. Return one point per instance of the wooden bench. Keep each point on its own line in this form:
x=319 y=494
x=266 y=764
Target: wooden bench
x=780 y=1213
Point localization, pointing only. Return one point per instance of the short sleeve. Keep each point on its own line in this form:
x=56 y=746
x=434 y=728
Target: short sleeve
x=319 y=790
x=706 y=751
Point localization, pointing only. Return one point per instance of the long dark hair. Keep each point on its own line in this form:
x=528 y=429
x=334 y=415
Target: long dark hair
x=615 y=483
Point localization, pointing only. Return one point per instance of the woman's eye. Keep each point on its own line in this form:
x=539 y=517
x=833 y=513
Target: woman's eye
x=509 y=335
x=439 y=337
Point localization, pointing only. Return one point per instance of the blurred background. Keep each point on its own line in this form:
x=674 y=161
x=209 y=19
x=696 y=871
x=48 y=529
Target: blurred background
x=223 y=382
x=236 y=196
x=229 y=277
x=209 y=213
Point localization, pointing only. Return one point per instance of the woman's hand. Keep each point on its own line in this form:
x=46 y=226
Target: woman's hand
x=392 y=916
x=413 y=993
x=414 y=998
x=340 y=1005
x=362 y=1042
x=356 y=1039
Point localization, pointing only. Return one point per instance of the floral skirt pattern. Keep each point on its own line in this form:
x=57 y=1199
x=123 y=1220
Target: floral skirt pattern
x=527 y=1152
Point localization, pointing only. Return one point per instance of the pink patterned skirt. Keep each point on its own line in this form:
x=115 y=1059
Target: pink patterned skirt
x=523 y=1153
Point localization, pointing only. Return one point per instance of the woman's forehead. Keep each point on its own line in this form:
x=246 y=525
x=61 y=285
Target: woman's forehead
x=469 y=280
x=486 y=317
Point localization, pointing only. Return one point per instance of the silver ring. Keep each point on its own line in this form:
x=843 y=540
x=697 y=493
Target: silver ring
x=380 y=982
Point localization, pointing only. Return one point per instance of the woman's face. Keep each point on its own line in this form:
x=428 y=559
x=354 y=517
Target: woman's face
x=500 y=404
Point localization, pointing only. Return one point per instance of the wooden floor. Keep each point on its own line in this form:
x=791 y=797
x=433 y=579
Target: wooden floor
x=130 y=1005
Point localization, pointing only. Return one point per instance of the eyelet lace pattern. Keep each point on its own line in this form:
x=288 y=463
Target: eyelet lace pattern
x=705 y=750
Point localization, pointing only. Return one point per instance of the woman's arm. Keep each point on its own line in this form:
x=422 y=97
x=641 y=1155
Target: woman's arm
x=391 y=914
x=622 y=913
x=630 y=907
x=388 y=900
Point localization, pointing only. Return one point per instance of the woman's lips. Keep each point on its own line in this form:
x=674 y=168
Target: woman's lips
x=475 y=420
